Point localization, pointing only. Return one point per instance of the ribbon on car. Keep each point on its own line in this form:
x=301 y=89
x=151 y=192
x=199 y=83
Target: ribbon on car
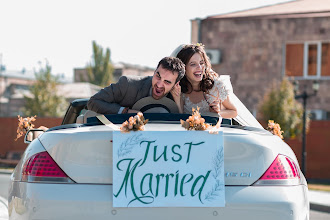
x=108 y=123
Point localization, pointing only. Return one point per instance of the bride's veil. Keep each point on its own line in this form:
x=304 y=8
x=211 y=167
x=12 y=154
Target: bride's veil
x=177 y=50
x=244 y=116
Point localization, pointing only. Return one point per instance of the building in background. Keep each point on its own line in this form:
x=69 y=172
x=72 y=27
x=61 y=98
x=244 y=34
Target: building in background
x=14 y=85
x=259 y=46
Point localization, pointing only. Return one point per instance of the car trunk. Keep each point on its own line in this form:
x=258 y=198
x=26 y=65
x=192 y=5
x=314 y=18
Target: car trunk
x=85 y=154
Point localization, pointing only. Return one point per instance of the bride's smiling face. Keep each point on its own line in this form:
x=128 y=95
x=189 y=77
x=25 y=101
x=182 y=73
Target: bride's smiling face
x=195 y=68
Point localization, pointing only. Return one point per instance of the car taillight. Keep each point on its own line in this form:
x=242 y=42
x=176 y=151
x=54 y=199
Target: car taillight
x=283 y=171
x=42 y=168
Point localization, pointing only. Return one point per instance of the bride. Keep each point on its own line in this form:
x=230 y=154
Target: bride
x=201 y=87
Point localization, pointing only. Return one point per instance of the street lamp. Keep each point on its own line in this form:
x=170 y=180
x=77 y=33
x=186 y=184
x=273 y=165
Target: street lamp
x=304 y=96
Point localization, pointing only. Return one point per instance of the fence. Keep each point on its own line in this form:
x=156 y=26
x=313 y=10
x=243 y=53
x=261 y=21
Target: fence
x=317 y=149
x=8 y=127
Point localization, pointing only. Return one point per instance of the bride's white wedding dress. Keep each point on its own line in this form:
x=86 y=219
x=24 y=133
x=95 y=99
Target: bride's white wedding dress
x=220 y=91
x=188 y=105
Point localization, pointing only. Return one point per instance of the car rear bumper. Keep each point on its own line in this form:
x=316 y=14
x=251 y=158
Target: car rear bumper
x=88 y=201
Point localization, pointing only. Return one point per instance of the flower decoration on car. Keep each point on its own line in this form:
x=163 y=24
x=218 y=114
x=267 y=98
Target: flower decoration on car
x=275 y=128
x=24 y=125
x=195 y=121
x=135 y=123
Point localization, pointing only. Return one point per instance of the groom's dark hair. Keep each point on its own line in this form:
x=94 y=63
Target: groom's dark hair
x=173 y=64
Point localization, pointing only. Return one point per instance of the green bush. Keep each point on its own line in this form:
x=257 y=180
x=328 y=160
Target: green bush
x=279 y=104
x=44 y=101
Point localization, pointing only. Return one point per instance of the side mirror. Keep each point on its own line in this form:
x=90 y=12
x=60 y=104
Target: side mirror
x=32 y=134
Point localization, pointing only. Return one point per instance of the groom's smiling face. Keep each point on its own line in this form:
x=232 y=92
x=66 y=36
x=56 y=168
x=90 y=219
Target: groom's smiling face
x=163 y=81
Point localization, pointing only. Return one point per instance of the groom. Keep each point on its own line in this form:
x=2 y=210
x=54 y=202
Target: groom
x=119 y=98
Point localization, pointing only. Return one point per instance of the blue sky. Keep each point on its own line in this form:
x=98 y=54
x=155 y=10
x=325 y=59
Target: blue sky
x=137 y=32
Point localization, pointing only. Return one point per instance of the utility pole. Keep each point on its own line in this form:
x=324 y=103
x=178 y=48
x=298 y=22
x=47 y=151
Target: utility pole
x=304 y=96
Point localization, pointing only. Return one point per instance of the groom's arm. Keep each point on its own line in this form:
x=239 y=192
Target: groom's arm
x=108 y=99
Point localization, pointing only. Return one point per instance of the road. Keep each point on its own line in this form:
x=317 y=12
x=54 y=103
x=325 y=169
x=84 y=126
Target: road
x=4 y=183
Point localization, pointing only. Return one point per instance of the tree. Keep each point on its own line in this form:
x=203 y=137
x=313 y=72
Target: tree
x=44 y=101
x=100 y=70
x=280 y=105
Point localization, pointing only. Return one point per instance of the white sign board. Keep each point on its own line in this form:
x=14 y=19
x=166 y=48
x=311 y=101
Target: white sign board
x=168 y=169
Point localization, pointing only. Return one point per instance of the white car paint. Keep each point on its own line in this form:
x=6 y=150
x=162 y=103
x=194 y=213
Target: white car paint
x=85 y=154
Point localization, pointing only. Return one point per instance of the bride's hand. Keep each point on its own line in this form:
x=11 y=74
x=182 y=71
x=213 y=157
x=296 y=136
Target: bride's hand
x=215 y=107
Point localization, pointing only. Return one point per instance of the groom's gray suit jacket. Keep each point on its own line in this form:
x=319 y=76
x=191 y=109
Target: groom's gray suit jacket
x=125 y=93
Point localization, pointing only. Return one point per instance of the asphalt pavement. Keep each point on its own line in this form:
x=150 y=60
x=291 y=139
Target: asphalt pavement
x=3 y=209
x=3 y=200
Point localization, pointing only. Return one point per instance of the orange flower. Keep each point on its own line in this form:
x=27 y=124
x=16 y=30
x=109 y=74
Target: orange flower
x=24 y=125
x=275 y=128
x=135 y=123
x=195 y=121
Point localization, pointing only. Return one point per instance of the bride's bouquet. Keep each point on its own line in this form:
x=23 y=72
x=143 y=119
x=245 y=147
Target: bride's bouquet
x=219 y=92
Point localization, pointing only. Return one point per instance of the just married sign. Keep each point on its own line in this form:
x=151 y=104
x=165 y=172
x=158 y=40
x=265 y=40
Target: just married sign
x=168 y=169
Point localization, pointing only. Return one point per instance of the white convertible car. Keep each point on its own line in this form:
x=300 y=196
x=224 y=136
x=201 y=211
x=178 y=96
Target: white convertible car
x=89 y=170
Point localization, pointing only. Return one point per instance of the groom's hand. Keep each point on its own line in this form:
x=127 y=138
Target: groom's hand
x=132 y=111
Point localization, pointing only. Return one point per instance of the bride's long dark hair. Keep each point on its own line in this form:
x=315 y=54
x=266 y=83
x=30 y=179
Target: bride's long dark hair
x=209 y=76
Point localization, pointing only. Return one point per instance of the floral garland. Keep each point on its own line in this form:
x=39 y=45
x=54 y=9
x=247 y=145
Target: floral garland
x=24 y=125
x=195 y=121
x=275 y=128
x=135 y=123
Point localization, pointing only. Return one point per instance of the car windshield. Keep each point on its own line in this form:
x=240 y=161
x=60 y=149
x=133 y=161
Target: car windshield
x=243 y=118
x=156 y=117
